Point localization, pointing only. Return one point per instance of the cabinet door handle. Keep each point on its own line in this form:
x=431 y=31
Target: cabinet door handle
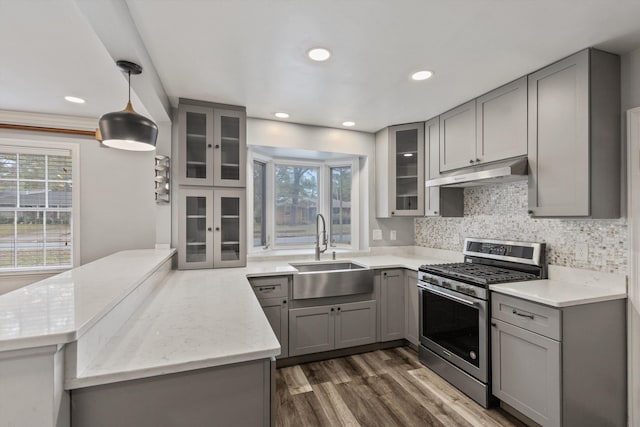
x=477 y=160
x=338 y=308
x=217 y=228
x=209 y=229
x=435 y=212
x=494 y=324
x=530 y=212
x=528 y=316
x=332 y=308
x=209 y=145
x=284 y=302
x=267 y=288
x=471 y=161
x=217 y=145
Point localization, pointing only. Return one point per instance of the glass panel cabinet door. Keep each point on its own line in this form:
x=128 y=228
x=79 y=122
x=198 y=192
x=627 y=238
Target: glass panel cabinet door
x=407 y=145
x=230 y=148
x=230 y=228
x=195 y=145
x=196 y=234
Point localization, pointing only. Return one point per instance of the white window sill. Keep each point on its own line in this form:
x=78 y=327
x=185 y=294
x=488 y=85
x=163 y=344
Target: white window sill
x=297 y=254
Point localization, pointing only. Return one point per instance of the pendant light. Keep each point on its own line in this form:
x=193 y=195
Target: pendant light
x=126 y=129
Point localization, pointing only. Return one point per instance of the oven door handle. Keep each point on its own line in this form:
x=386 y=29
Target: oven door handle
x=451 y=297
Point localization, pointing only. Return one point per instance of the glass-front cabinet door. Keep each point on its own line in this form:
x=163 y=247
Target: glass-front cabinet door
x=230 y=249
x=196 y=234
x=407 y=160
x=195 y=145
x=229 y=128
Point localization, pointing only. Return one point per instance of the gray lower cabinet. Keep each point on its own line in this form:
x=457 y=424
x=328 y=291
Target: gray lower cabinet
x=273 y=295
x=526 y=372
x=355 y=324
x=574 y=137
x=324 y=328
x=412 y=305
x=560 y=367
x=392 y=302
x=277 y=312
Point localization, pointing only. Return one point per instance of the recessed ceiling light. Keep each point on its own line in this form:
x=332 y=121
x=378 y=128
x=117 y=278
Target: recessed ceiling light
x=422 y=75
x=282 y=115
x=319 y=54
x=74 y=99
x=348 y=124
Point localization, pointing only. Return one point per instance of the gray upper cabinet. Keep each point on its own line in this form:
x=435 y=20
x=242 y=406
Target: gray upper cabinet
x=230 y=148
x=438 y=201
x=392 y=305
x=574 y=137
x=501 y=120
x=195 y=145
x=211 y=145
x=400 y=171
x=458 y=137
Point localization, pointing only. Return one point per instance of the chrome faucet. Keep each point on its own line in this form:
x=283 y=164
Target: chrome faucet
x=324 y=236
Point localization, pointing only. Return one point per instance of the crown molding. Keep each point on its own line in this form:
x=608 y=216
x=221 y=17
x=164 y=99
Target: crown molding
x=48 y=120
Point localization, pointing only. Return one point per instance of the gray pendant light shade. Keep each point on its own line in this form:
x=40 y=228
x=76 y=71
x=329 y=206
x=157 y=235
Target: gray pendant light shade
x=126 y=129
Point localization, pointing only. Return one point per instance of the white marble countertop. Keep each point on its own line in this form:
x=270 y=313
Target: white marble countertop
x=199 y=319
x=567 y=287
x=61 y=308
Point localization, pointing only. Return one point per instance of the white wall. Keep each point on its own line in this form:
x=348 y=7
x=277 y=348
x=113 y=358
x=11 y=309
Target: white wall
x=117 y=206
x=631 y=99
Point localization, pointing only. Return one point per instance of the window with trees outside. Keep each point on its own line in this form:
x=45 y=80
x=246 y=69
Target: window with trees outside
x=288 y=195
x=35 y=208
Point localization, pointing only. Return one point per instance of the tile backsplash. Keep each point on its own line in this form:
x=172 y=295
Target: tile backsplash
x=500 y=212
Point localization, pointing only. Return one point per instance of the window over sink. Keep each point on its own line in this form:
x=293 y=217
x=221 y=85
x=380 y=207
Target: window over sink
x=288 y=193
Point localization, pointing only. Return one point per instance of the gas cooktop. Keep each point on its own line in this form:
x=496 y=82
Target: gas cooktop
x=477 y=274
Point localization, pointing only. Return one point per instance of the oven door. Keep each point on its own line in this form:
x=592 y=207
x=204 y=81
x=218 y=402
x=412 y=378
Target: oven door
x=454 y=326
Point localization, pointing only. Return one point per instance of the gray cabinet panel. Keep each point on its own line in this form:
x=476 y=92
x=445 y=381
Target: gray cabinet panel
x=502 y=122
x=230 y=148
x=574 y=137
x=412 y=298
x=311 y=330
x=195 y=145
x=392 y=305
x=458 y=137
x=276 y=310
x=559 y=138
x=438 y=201
x=355 y=324
x=229 y=237
x=526 y=372
x=400 y=171
x=195 y=222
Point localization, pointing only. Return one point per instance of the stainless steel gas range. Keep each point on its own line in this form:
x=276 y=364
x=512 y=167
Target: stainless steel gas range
x=455 y=309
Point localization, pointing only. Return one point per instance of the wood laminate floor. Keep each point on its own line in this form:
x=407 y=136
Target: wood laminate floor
x=380 y=388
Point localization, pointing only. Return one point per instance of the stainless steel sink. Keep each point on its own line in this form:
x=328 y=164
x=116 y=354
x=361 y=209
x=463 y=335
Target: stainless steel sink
x=330 y=279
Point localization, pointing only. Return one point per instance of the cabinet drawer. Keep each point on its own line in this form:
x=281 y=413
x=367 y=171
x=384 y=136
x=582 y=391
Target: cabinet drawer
x=531 y=316
x=270 y=287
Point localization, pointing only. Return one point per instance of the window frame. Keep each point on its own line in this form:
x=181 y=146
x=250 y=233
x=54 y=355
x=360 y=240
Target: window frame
x=50 y=146
x=324 y=202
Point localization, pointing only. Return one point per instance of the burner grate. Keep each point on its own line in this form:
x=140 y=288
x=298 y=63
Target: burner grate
x=478 y=273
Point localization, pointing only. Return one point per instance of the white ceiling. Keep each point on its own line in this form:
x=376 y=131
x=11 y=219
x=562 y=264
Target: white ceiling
x=252 y=53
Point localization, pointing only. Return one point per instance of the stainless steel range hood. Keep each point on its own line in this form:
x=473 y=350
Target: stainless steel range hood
x=493 y=173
